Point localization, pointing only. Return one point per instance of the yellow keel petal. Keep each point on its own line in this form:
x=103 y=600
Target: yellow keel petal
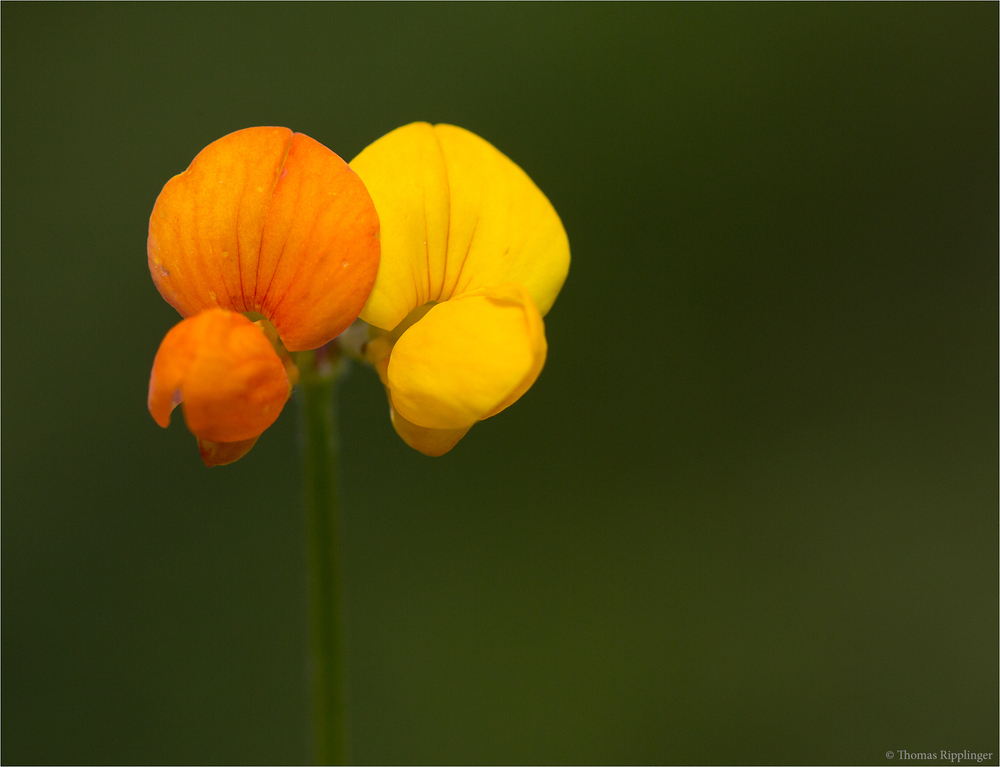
x=467 y=359
x=431 y=442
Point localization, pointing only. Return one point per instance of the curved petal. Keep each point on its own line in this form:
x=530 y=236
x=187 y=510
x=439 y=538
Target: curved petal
x=467 y=359
x=503 y=228
x=264 y=220
x=206 y=225
x=320 y=248
x=430 y=442
x=223 y=453
x=225 y=371
x=456 y=215
x=405 y=175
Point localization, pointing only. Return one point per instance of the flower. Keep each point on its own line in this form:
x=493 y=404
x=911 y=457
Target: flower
x=264 y=223
x=473 y=256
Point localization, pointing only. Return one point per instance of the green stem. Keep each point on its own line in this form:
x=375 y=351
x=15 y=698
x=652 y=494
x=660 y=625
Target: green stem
x=319 y=376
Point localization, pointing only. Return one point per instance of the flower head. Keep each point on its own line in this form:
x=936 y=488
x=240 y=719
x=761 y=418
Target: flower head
x=266 y=223
x=473 y=256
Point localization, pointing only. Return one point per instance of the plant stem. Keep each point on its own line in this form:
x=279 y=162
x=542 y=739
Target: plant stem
x=319 y=376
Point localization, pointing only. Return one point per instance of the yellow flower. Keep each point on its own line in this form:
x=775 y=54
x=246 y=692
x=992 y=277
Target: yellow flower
x=473 y=256
x=266 y=223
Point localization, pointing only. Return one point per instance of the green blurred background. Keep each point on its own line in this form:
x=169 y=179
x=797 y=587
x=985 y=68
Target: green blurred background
x=747 y=514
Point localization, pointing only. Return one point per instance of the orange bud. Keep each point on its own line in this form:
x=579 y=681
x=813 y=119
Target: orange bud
x=225 y=371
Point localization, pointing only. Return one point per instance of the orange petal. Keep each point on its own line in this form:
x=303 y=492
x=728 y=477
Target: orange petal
x=226 y=372
x=320 y=250
x=206 y=225
x=223 y=453
x=267 y=221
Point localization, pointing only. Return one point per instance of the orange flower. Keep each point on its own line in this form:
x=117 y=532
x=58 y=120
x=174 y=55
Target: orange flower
x=266 y=223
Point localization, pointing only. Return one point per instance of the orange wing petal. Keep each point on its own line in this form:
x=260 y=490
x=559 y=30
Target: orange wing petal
x=225 y=371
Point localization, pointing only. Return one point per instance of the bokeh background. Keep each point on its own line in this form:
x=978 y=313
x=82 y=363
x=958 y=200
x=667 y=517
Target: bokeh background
x=749 y=512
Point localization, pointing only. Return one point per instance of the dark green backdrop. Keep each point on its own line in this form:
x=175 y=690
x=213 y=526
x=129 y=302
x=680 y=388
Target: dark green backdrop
x=747 y=514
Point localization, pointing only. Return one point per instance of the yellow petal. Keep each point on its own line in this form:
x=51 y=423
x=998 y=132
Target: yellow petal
x=456 y=215
x=467 y=359
x=431 y=442
x=405 y=175
x=502 y=227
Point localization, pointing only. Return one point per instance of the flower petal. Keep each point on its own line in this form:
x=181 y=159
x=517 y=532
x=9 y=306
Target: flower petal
x=267 y=221
x=404 y=172
x=320 y=248
x=430 y=442
x=467 y=359
x=456 y=215
x=206 y=225
x=223 y=453
x=225 y=371
x=503 y=228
